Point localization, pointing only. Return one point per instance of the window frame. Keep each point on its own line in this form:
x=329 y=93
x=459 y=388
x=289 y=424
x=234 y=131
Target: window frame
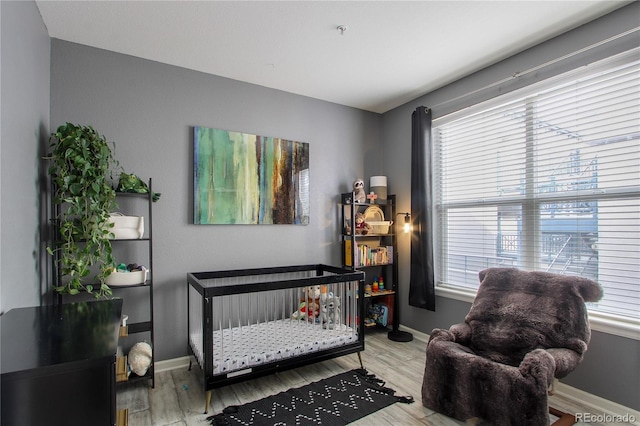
x=600 y=321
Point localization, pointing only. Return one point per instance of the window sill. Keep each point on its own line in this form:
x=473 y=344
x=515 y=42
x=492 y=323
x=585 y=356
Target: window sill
x=599 y=321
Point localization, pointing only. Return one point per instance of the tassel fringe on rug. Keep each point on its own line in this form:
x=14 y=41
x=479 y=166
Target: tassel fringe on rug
x=335 y=401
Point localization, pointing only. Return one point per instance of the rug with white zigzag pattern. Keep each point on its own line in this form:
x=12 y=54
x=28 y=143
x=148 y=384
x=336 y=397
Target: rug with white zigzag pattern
x=338 y=400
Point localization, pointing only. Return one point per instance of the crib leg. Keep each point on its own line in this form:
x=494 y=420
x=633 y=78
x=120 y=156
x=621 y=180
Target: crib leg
x=207 y=401
x=360 y=359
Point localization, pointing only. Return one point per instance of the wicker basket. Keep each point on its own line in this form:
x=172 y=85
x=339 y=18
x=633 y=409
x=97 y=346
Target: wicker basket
x=379 y=227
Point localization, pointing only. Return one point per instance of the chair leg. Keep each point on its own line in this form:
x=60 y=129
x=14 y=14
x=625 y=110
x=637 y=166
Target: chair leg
x=564 y=419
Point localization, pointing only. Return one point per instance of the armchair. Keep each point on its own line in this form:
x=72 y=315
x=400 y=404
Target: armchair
x=523 y=329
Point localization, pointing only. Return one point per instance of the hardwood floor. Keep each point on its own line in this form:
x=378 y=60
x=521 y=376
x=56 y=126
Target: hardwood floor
x=178 y=398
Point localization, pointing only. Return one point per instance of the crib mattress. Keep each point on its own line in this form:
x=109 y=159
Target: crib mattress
x=240 y=348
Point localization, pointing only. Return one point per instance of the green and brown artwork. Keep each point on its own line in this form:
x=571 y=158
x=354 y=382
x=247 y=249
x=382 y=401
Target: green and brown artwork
x=241 y=178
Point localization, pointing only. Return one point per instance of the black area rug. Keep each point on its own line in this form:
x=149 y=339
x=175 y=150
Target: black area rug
x=338 y=400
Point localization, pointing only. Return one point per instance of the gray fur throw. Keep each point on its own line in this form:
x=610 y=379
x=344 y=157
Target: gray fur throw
x=523 y=329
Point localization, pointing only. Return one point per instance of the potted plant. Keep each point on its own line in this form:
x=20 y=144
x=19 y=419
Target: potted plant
x=81 y=172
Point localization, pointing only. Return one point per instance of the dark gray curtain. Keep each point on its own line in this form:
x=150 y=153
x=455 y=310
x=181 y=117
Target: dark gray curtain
x=421 y=287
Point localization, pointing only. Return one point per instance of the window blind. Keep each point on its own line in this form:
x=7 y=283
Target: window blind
x=546 y=178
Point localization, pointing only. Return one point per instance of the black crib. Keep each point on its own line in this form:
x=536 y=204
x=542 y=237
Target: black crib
x=252 y=322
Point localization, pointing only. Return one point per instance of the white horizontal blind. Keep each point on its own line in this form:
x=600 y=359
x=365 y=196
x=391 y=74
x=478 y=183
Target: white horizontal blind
x=546 y=179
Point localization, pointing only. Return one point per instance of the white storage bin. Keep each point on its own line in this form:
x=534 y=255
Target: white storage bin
x=126 y=278
x=126 y=227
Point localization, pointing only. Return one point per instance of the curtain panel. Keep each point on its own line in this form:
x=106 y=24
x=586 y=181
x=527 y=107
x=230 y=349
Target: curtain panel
x=421 y=282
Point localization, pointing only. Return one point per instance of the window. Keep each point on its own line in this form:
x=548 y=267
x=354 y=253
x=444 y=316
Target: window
x=546 y=178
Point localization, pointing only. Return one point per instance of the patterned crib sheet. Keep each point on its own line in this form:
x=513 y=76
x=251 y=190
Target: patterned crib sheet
x=247 y=346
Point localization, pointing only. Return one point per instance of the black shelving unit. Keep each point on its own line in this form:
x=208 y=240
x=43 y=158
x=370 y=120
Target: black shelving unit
x=353 y=243
x=134 y=331
x=145 y=325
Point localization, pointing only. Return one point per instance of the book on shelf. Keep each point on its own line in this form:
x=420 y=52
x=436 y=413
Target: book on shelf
x=347 y=253
x=366 y=255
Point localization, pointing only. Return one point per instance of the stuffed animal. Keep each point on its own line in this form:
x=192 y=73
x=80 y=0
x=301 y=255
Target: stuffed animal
x=312 y=295
x=132 y=183
x=358 y=190
x=309 y=307
x=330 y=315
x=139 y=358
x=362 y=228
x=301 y=313
x=333 y=310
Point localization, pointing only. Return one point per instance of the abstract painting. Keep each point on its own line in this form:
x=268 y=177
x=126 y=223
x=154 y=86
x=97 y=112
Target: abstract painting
x=241 y=178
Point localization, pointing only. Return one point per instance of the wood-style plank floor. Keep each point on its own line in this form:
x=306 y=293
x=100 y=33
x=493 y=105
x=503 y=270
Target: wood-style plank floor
x=178 y=398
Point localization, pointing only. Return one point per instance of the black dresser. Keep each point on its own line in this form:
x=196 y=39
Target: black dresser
x=58 y=364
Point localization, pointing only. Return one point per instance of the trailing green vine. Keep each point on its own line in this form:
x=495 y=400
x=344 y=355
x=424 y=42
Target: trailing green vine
x=81 y=173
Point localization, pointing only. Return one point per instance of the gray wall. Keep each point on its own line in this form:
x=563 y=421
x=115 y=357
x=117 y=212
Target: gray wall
x=24 y=123
x=149 y=109
x=611 y=368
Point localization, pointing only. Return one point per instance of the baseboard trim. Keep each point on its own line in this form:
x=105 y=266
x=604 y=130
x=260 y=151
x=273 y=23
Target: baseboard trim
x=172 y=364
x=416 y=334
x=596 y=403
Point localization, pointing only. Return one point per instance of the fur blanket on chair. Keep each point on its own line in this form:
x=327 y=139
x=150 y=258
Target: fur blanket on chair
x=523 y=329
x=516 y=312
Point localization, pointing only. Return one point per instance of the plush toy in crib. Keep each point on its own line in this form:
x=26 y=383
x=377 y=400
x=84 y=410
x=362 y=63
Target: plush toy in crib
x=331 y=311
x=312 y=295
x=139 y=358
x=301 y=313
x=309 y=307
x=358 y=190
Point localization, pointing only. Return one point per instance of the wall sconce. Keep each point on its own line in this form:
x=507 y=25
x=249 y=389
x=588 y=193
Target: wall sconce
x=407 y=222
x=396 y=334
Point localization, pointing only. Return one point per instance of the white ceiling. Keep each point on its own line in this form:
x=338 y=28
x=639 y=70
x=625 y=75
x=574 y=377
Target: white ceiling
x=391 y=52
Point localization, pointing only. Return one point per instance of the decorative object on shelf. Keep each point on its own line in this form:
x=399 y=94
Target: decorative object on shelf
x=131 y=274
x=375 y=217
x=241 y=178
x=362 y=227
x=126 y=227
x=359 y=195
x=374 y=213
x=132 y=183
x=81 y=172
x=379 y=314
x=378 y=185
x=140 y=357
x=372 y=197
